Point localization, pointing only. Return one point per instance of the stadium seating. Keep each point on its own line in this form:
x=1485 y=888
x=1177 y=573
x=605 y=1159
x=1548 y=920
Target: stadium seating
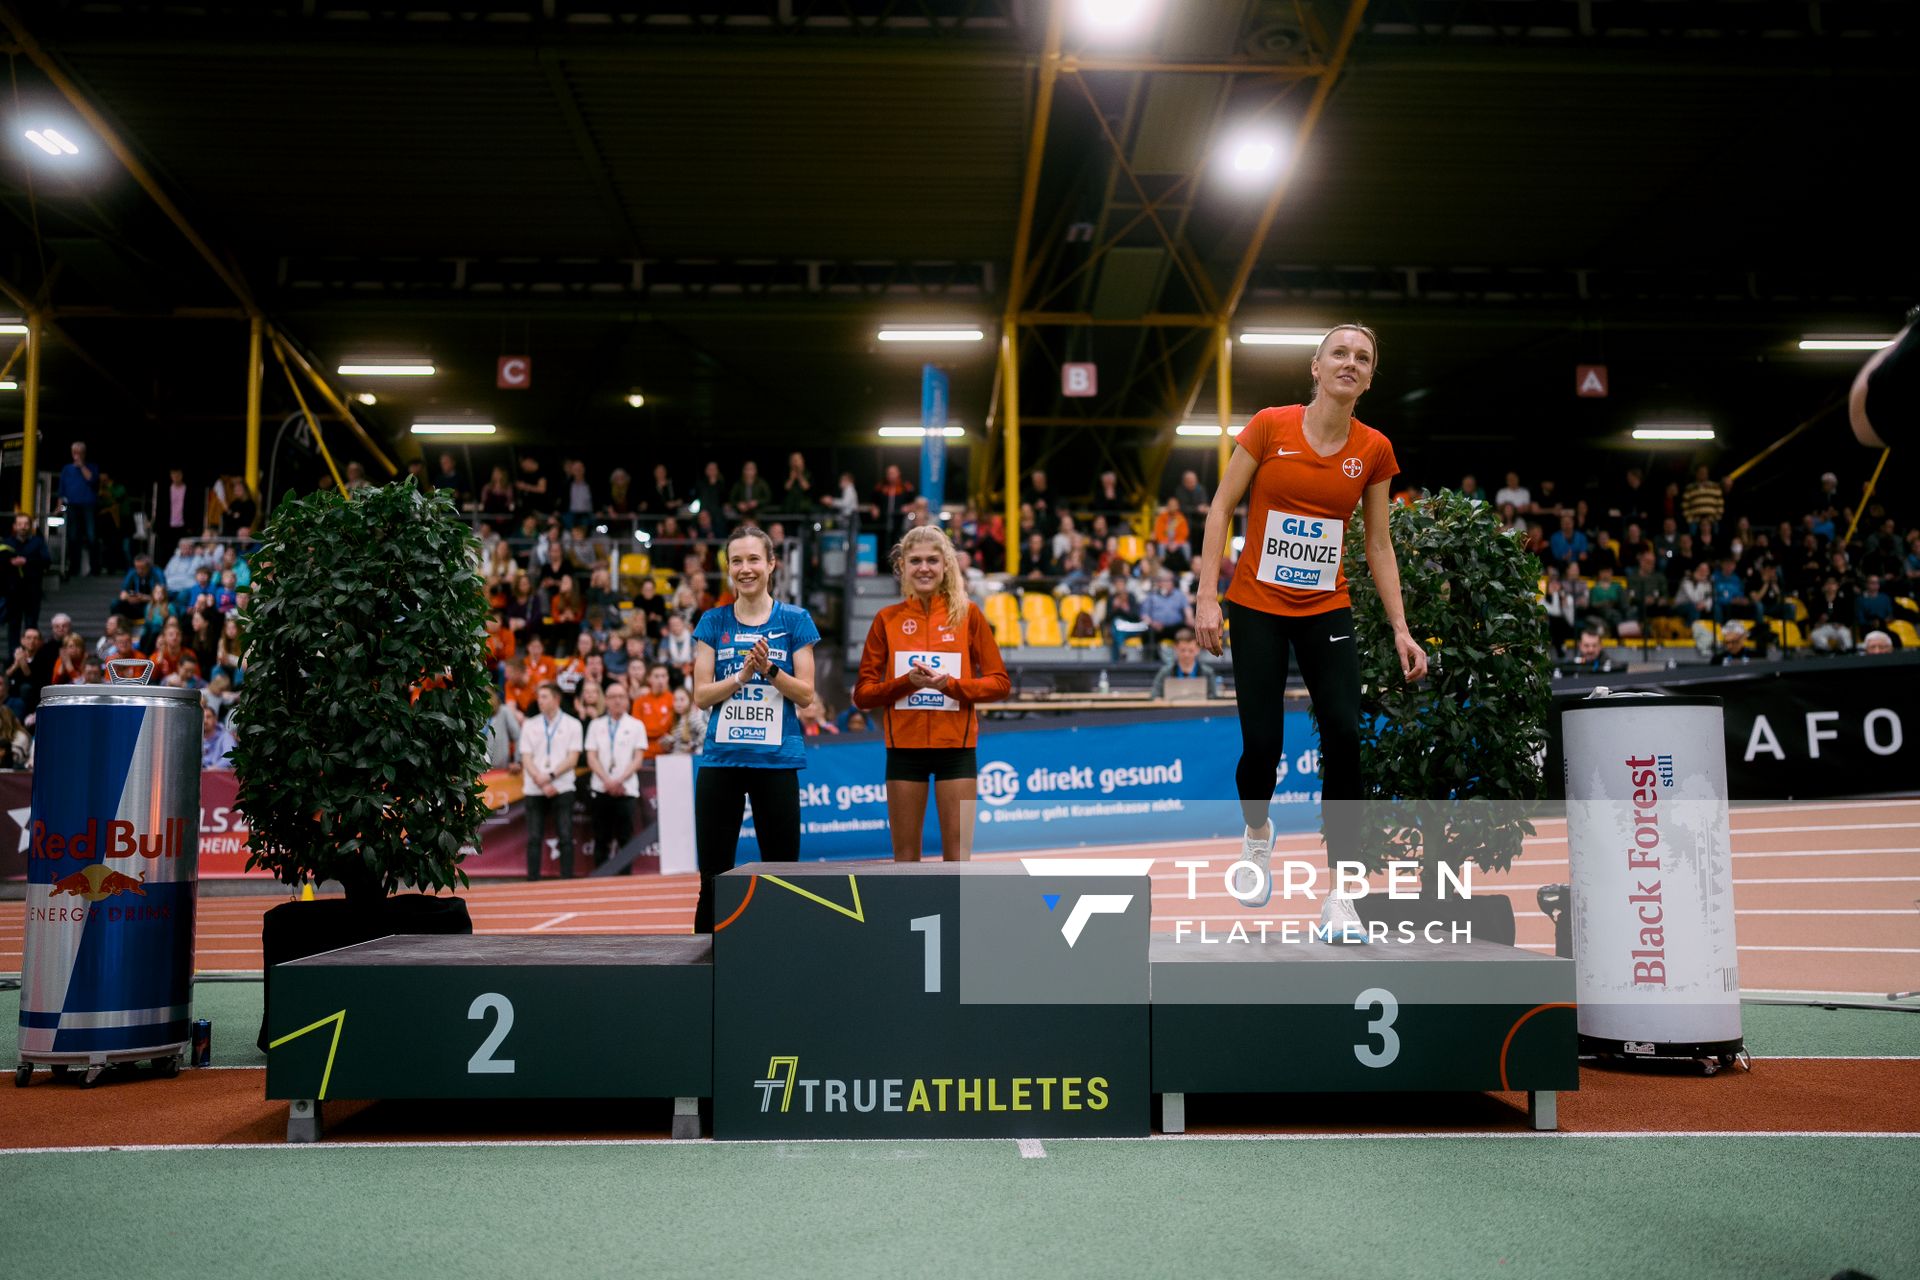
x=1041 y=614
x=1071 y=607
x=1003 y=614
x=1905 y=632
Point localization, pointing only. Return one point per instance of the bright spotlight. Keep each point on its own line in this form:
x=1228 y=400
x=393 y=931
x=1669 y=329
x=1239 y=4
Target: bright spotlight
x=1252 y=157
x=1110 y=18
x=367 y=397
x=635 y=399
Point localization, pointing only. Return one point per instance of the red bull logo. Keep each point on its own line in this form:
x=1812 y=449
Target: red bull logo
x=116 y=838
x=98 y=882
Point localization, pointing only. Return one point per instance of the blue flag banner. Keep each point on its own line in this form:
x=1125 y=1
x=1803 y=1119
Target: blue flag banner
x=933 y=444
x=1045 y=788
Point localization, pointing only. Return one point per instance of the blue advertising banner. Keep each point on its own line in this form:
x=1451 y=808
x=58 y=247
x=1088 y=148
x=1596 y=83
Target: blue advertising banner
x=1043 y=788
x=933 y=441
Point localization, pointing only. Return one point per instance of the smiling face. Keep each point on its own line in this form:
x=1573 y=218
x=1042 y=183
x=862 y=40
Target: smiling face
x=922 y=567
x=1343 y=366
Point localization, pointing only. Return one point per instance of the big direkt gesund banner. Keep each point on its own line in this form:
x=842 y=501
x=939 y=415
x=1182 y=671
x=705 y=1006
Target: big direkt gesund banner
x=1057 y=787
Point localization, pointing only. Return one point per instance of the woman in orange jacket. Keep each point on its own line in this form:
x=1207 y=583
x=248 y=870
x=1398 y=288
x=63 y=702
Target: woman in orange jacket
x=929 y=661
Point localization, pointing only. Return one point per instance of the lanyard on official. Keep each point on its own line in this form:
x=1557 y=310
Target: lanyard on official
x=550 y=726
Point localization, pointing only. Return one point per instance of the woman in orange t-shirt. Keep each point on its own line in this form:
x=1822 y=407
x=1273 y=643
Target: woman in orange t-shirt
x=929 y=661
x=653 y=707
x=1303 y=469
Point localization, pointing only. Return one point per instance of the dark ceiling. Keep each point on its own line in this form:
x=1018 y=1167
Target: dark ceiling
x=719 y=204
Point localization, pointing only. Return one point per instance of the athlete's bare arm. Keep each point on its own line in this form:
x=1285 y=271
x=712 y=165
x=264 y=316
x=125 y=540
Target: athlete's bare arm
x=1386 y=576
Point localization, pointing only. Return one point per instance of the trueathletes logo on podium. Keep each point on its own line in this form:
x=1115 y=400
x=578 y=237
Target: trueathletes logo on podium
x=929 y=1094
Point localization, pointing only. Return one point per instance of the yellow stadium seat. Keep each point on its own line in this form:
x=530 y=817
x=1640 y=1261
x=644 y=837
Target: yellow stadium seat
x=1037 y=607
x=1908 y=603
x=1791 y=636
x=1006 y=631
x=1799 y=610
x=1072 y=607
x=1043 y=631
x=1130 y=547
x=1908 y=634
x=1001 y=608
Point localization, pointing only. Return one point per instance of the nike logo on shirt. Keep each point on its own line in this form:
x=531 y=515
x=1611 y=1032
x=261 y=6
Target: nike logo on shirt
x=1331 y=639
x=1285 y=453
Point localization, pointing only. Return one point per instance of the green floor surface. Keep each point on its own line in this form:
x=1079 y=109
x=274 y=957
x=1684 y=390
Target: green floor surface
x=1734 y=1207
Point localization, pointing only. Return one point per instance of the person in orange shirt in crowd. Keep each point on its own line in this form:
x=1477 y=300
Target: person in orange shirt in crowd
x=516 y=687
x=540 y=668
x=500 y=642
x=1303 y=469
x=929 y=661
x=653 y=707
x=169 y=650
x=72 y=662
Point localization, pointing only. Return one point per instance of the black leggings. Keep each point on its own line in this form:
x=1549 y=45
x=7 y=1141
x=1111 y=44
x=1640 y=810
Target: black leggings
x=720 y=794
x=1324 y=646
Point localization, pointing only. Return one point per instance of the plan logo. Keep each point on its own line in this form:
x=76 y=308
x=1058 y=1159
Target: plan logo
x=1087 y=905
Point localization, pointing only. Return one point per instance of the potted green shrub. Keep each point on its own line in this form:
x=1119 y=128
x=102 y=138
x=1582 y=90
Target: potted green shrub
x=360 y=726
x=1452 y=765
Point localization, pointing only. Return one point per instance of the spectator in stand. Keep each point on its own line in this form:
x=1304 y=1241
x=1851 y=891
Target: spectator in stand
x=240 y=512
x=1647 y=589
x=1733 y=650
x=654 y=707
x=550 y=745
x=216 y=741
x=1108 y=499
x=159 y=613
x=1730 y=599
x=750 y=496
x=1041 y=498
x=1831 y=613
x=136 y=589
x=541 y=668
x=25 y=676
x=650 y=609
x=661 y=496
x=1632 y=543
x=623 y=500
x=846 y=501
x=1066 y=538
x=530 y=495
x=1876 y=644
x=710 y=491
x=188 y=675
x=503 y=731
x=1191 y=497
x=1607 y=600
x=80 y=500
x=115 y=543
x=1562 y=609
x=1513 y=494
x=1693 y=598
x=1165 y=609
x=16 y=746
x=796 y=492
x=446 y=479
x=676 y=646
x=689 y=732
x=515 y=688
x=1186 y=662
x=1545 y=505
x=179 y=514
x=72 y=662
x=578 y=499
x=814 y=722
x=1872 y=610
x=1769 y=602
x=219 y=694
x=1568 y=547
x=1074 y=578
x=497 y=501
x=1704 y=499
x=1172 y=536
x=28 y=560
x=891 y=498
x=1590 y=655
x=1470 y=489
x=168 y=650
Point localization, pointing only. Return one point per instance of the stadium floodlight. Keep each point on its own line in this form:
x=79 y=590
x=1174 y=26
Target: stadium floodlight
x=1674 y=431
x=916 y=433
x=1252 y=157
x=367 y=397
x=13 y=328
x=635 y=399
x=1280 y=338
x=930 y=333
x=1111 y=19
x=453 y=428
x=387 y=369
x=1198 y=430
x=52 y=141
x=9 y=385
x=1844 y=344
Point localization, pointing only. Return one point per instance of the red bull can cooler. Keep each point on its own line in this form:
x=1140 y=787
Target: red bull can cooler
x=107 y=974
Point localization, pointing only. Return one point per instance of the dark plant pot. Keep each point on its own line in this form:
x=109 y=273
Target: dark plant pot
x=1489 y=915
x=294 y=930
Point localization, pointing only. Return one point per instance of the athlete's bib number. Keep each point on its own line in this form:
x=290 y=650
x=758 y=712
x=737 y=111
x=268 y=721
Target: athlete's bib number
x=946 y=664
x=752 y=717
x=1301 y=551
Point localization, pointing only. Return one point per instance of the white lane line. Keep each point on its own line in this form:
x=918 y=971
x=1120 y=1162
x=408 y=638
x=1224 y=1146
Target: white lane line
x=1030 y=1149
x=667 y=1144
x=562 y=918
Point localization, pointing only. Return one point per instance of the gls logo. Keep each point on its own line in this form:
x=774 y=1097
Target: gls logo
x=1087 y=905
x=1299 y=528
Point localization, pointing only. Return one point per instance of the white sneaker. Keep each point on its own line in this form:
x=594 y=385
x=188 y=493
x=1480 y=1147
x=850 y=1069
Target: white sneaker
x=1258 y=852
x=1339 y=922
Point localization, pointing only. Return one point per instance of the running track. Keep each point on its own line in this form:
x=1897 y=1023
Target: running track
x=1827 y=897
